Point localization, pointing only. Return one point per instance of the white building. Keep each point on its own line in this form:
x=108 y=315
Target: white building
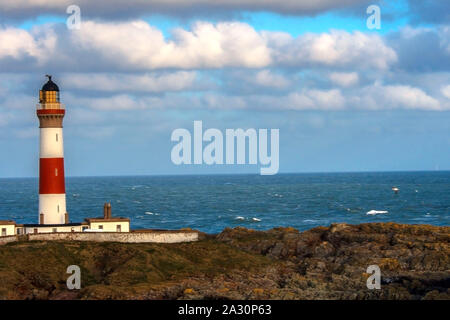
x=103 y=224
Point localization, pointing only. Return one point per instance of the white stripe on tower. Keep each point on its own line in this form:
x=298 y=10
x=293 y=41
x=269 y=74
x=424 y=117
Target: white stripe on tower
x=51 y=143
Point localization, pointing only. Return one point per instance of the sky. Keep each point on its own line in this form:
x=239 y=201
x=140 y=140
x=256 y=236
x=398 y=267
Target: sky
x=344 y=97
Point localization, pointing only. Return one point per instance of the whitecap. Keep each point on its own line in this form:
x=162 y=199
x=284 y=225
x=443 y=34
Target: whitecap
x=256 y=219
x=240 y=218
x=374 y=212
x=149 y=212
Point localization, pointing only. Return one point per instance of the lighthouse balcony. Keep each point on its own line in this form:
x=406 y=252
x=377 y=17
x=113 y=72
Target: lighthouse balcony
x=50 y=106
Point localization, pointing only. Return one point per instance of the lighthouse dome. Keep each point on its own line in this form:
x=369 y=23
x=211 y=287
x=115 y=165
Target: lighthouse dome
x=50 y=85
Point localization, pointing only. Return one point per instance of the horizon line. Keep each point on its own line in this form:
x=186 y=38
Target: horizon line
x=234 y=174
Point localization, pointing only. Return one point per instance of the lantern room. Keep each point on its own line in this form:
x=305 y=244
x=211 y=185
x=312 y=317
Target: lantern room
x=49 y=95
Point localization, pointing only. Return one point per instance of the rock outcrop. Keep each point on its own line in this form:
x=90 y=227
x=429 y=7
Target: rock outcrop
x=281 y=263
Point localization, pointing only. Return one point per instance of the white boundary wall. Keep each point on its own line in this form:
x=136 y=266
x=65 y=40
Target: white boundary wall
x=124 y=237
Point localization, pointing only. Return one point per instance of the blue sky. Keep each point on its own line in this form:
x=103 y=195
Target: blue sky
x=345 y=98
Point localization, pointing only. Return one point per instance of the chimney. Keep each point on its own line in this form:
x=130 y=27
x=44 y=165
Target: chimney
x=105 y=211
x=109 y=211
x=66 y=218
x=41 y=218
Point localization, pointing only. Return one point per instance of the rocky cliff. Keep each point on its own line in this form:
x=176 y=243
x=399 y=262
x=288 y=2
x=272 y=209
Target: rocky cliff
x=282 y=263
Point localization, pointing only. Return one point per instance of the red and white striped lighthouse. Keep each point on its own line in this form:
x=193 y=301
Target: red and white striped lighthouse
x=52 y=191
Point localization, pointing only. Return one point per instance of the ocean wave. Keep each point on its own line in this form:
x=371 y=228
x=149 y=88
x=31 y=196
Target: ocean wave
x=256 y=219
x=375 y=212
x=240 y=218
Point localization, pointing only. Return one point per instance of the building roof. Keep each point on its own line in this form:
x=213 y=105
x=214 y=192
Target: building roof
x=7 y=222
x=118 y=219
x=52 y=225
x=50 y=85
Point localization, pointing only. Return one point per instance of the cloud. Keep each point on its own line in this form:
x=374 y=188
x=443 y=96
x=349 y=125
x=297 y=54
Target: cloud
x=101 y=47
x=334 y=49
x=344 y=79
x=17 y=44
x=205 y=46
x=421 y=49
x=446 y=91
x=221 y=66
x=151 y=83
x=121 y=9
x=379 y=97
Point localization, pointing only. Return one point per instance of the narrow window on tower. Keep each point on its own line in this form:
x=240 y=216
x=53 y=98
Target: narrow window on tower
x=56 y=172
x=58 y=208
x=56 y=137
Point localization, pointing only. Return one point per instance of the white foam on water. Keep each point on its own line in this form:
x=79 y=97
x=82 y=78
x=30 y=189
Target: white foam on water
x=256 y=219
x=240 y=218
x=375 y=212
x=149 y=213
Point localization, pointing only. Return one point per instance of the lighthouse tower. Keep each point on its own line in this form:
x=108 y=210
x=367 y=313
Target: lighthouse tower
x=52 y=191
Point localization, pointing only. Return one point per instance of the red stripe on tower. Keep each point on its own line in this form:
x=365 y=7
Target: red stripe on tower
x=51 y=174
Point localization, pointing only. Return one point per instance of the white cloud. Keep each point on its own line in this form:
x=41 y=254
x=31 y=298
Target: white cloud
x=408 y=97
x=344 y=79
x=169 y=81
x=117 y=102
x=446 y=91
x=379 y=97
x=266 y=78
x=19 y=44
x=137 y=46
x=16 y=43
x=334 y=49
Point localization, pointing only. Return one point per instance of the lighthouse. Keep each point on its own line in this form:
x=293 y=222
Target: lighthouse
x=53 y=217
x=52 y=191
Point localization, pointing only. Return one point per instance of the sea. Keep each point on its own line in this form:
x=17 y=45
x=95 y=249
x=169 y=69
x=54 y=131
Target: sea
x=210 y=203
